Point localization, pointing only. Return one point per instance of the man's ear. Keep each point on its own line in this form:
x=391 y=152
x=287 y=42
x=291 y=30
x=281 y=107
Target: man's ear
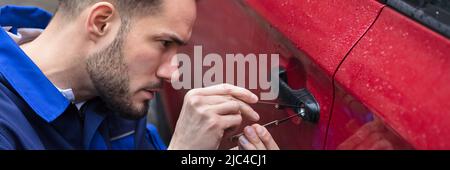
x=100 y=18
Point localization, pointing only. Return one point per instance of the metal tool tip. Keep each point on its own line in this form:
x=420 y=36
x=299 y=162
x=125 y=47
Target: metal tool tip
x=277 y=106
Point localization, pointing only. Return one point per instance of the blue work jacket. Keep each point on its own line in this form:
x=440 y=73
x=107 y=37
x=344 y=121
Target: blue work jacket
x=34 y=114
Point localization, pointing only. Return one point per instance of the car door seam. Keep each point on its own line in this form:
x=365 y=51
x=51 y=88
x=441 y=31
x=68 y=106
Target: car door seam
x=337 y=69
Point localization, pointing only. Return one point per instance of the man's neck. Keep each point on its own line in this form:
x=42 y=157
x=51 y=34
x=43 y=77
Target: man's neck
x=60 y=57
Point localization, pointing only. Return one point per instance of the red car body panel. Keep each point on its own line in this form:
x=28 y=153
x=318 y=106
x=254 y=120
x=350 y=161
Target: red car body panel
x=400 y=72
x=370 y=105
x=324 y=30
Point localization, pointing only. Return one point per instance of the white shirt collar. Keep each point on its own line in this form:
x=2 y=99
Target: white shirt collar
x=69 y=95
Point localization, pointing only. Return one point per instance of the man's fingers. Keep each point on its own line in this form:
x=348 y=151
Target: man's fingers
x=236 y=107
x=231 y=121
x=256 y=137
x=245 y=144
x=218 y=99
x=266 y=137
x=253 y=138
x=227 y=89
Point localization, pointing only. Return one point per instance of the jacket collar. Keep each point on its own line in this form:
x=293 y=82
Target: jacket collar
x=20 y=71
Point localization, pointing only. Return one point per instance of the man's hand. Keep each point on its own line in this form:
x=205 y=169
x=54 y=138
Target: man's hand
x=208 y=113
x=257 y=137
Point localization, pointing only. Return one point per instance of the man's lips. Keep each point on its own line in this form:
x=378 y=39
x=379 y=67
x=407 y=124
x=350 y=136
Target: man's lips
x=152 y=90
x=149 y=94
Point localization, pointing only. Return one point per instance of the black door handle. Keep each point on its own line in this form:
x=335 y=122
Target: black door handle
x=301 y=98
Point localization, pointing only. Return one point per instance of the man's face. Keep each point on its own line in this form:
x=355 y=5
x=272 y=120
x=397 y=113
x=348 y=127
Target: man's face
x=129 y=72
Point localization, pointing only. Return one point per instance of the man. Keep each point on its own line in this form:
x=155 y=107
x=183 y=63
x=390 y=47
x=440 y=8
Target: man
x=85 y=82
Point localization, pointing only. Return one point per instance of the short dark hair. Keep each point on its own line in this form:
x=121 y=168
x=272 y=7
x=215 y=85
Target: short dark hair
x=126 y=8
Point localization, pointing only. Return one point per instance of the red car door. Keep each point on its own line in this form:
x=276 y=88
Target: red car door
x=392 y=91
x=312 y=38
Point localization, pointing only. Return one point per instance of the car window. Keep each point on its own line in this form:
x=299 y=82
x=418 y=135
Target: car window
x=434 y=14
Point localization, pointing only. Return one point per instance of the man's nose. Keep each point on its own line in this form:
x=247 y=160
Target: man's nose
x=168 y=70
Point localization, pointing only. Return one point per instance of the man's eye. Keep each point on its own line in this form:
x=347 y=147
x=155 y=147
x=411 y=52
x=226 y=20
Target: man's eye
x=166 y=43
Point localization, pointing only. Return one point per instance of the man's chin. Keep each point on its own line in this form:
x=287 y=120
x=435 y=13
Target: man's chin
x=133 y=116
x=135 y=113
